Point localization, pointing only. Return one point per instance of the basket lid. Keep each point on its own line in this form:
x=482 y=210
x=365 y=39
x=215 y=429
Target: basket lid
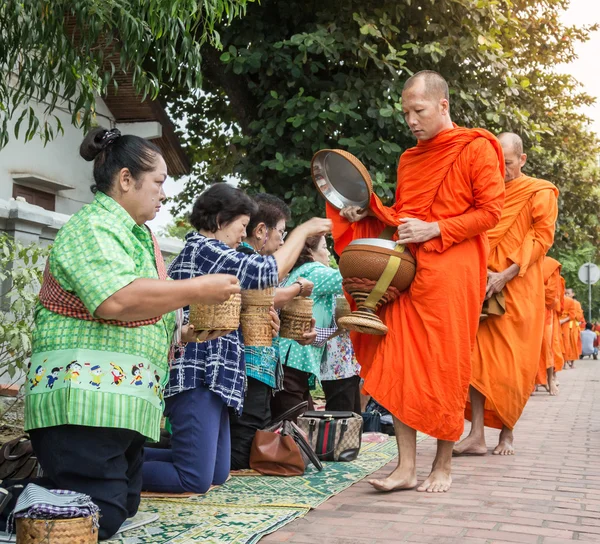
x=341 y=178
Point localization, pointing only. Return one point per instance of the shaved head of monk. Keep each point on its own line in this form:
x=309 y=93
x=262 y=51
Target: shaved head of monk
x=426 y=106
x=514 y=158
x=569 y=292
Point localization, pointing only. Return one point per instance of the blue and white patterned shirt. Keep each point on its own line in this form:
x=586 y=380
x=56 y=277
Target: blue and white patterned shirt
x=218 y=364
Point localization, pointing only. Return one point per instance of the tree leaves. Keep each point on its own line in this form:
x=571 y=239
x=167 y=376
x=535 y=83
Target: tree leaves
x=65 y=54
x=20 y=281
x=329 y=75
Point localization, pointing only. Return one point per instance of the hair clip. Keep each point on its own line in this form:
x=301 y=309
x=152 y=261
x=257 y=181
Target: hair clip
x=110 y=136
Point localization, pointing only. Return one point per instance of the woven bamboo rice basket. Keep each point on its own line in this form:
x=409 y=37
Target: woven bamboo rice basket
x=255 y=317
x=296 y=318
x=217 y=317
x=57 y=531
x=342 y=307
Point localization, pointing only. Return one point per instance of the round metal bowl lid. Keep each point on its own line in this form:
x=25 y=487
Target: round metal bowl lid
x=339 y=180
x=377 y=242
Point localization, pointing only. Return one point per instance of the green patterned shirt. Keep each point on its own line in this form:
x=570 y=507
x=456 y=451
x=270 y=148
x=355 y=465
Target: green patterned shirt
x=88 y=373
x=327 y=285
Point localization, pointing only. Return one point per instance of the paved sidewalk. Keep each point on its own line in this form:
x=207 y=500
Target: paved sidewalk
x=548 y=493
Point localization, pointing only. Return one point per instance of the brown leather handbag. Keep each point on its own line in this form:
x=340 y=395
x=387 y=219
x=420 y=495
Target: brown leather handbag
x=282 y=449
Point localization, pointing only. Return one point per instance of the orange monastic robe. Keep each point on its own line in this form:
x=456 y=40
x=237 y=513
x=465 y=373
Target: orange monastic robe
x=578 y=326
x=551 y=355
x=557 y=339
x=570 y=343
x=507 y=350
x=420 y=369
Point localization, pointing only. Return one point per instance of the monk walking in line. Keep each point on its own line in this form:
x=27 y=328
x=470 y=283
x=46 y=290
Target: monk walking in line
x=566 y=323
x=507 y=350
x=551 y=358
x=449 y=192
x=580 y=326
x=571 y=319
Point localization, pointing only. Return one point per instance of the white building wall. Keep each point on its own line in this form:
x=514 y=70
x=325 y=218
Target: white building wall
x=59 y=160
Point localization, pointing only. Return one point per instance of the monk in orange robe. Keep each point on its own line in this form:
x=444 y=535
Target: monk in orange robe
x=507 y=351
x=571 y=319
x=568 y=321
x=551 y=356
x=581 y=322
x=449 y=192
x=558 y=344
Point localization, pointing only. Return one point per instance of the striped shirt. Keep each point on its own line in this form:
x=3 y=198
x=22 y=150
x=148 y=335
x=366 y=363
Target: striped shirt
x=218 y=364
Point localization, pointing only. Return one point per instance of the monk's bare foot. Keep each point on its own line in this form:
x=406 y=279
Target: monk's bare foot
x=546 y=388
x=554 y=389
x=505 y=443
x=471 y=445
x=439 y=481
x=398 y=480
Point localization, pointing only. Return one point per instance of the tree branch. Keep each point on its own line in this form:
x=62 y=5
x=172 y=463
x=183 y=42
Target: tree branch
x=235 y=87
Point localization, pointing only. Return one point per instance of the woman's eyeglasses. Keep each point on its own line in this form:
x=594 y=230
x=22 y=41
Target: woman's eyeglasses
x=282 y=233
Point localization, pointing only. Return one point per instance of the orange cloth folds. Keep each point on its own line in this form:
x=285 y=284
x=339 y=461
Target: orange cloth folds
x=420 y=370
x=570 y=330
x=578 y=326
x=508 y=347
x=551 y=355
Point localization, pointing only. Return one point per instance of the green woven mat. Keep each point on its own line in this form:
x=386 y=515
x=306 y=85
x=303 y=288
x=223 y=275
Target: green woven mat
x=246 y=508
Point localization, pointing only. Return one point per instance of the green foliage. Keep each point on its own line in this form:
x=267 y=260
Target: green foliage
x=20 y=279
x=571 y=263
x=177 y=228
x=298 y=76
x=72 y=51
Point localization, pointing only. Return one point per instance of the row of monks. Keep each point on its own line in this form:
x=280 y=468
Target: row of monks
x=479 y=229
x=561 y=343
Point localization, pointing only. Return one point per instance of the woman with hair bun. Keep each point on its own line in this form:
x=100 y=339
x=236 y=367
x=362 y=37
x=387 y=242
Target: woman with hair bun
x=106 y=306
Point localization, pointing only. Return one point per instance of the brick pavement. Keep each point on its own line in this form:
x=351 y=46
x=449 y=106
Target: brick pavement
x=548 y=493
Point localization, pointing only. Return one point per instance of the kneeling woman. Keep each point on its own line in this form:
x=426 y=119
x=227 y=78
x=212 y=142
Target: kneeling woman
x=209 y=378
x=106 y=307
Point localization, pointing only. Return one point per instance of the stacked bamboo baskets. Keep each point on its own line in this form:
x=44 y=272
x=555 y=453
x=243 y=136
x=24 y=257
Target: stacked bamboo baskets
x=255 y=316
x=296 y=318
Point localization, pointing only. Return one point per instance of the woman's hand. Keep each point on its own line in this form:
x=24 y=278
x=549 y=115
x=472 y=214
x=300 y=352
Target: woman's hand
x=310 y=336
x=189 y=334
x=415 y=231
x=275 y=323
x=354 y=214
x=213 y=288
x=317 y=226
x=307 y=286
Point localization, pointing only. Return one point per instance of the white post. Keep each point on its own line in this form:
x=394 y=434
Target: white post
x=589 y=281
